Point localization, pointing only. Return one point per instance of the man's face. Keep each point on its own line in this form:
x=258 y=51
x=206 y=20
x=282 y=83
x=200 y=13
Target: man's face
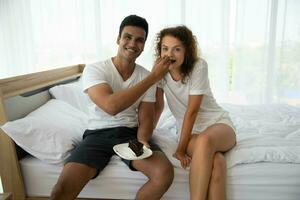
x=131 y=42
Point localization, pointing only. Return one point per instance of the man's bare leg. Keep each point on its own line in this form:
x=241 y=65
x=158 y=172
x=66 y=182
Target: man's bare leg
x=72 y=179
x=160 y=172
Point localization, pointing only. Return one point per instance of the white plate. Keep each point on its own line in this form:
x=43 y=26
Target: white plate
x=125 y=152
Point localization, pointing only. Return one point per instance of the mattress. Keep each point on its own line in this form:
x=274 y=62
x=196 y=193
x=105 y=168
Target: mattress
x=115 y=181
x=264 y=181
x=257 y=181
x=265 y=163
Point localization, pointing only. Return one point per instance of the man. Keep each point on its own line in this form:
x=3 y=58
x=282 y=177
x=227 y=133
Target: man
x=123 y=96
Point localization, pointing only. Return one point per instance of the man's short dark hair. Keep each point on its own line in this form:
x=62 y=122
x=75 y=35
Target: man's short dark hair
x=134 y=20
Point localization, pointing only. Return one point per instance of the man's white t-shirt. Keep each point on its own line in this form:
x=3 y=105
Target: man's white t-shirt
x=177 y=95
x=106 y=72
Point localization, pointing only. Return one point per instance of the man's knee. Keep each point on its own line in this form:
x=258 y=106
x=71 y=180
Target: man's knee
x=58 y=192
x=168 y=171
x=64 y=191
x=68 y=186
x=164 y=174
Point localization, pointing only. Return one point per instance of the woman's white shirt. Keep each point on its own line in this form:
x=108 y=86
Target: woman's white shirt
x=177 y=94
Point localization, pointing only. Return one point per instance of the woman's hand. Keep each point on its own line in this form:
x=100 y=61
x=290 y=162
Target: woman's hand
x=184 y=159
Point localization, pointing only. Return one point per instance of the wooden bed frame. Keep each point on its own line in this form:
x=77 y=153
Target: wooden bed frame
x=10 y=153
x=35 y=86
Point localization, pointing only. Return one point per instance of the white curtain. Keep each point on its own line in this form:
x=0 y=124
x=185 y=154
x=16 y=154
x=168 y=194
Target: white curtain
x=252 y=46
x=266 y=52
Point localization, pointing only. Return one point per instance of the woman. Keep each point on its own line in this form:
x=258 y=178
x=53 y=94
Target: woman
x=205 y=130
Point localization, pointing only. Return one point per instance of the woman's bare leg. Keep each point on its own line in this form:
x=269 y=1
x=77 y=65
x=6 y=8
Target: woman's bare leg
x=217 y=184
x=202 y=149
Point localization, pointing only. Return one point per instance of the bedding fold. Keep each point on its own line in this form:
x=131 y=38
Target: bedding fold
x=265 y=133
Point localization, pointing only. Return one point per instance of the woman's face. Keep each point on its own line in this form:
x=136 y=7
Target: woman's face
x=173 y=47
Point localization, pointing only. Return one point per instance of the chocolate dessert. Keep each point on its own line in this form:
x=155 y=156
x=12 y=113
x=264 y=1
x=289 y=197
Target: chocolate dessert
x=136 y=147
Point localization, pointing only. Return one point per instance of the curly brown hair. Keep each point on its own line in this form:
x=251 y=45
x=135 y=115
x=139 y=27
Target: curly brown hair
x=189 y=42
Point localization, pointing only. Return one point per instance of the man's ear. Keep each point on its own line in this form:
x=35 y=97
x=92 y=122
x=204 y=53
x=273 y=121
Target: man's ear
x=118 y=40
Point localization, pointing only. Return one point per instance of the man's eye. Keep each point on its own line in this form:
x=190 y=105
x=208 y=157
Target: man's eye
x=141 y=40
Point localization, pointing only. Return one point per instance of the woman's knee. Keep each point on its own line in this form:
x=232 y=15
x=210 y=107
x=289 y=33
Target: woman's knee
x=204 y=143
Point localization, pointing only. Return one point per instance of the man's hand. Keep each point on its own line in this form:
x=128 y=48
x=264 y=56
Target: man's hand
x=184 y=159
x=161 y=67
x=145 y=143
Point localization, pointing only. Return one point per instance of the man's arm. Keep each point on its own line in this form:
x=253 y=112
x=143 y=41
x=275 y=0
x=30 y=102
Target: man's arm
x=146 y=118
x=113 y=103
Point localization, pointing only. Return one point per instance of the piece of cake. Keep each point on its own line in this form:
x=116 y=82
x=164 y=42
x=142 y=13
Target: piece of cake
x=136 y=147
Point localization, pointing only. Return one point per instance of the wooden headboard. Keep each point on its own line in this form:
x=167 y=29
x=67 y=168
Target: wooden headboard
x=18 y=96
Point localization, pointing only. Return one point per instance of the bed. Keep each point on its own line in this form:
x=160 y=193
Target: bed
x=265 y=164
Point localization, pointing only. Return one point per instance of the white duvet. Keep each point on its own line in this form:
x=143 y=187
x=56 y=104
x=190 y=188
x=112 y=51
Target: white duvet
x=265 y=133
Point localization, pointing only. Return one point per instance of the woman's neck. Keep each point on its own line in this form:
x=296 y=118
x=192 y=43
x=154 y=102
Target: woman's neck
x=176 y=74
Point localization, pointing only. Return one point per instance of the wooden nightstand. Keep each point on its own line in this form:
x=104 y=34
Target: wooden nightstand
x=5 y=196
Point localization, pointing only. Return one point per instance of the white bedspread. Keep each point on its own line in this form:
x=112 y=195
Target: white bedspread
x=265 y=133
x=267 y=139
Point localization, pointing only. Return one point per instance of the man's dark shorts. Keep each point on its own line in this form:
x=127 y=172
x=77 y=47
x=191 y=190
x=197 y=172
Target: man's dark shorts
x=96 y=149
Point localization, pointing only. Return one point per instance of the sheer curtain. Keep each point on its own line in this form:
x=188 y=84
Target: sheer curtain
x=265 y=53
x=252 y=46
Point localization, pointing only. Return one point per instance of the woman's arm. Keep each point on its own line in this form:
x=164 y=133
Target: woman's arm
x=190 y=115
x=159 y=105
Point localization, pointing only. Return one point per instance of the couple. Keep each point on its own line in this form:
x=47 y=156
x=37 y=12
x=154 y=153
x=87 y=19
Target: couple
x=127 y=104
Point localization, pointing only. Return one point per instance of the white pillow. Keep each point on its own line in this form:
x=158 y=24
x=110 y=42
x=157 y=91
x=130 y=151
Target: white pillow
x=72 y=94
x=50 y=132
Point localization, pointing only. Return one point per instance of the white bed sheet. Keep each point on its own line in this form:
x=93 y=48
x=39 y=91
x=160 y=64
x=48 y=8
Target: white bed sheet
x=265 y=133
x=264 y=181
x=115 y=181
x=258 y=181
x=265 y=163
